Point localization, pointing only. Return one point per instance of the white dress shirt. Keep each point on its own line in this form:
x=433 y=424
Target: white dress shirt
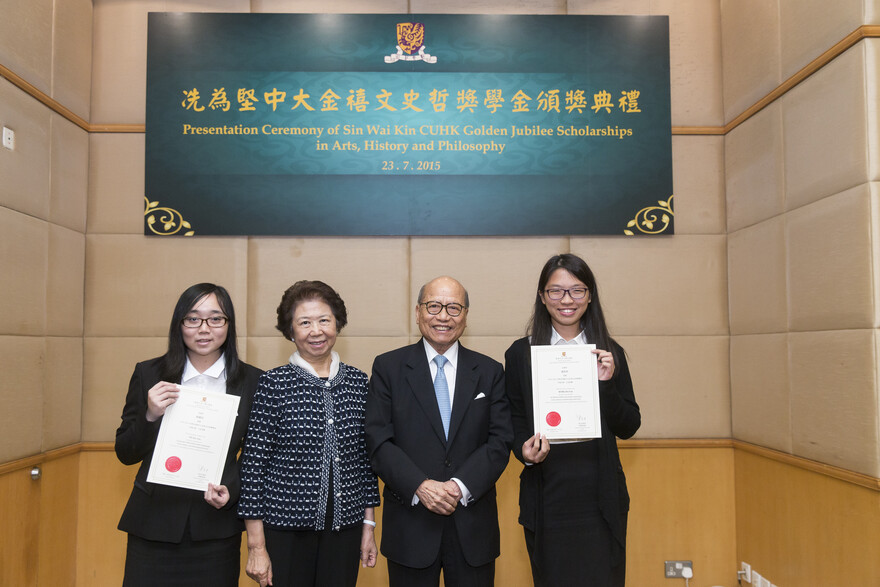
x=212 y=379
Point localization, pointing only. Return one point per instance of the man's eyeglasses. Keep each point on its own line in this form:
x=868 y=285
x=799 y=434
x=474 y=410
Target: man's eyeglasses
x=435 y=308
x=196 y=322
x=576 y=293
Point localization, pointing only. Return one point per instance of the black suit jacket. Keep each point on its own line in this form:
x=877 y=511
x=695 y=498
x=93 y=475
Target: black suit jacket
x=160 y=512
x=621 y=418
x=406 y=444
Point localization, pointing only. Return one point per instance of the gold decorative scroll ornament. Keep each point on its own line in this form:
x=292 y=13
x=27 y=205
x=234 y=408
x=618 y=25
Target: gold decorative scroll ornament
x=652 y=220
x=165 y=221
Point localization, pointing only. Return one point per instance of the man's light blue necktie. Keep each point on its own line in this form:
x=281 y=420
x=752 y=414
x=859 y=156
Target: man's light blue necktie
x=441 y=390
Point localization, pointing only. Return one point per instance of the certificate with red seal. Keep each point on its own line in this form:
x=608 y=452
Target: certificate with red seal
x=193 y=439
x=565 y=392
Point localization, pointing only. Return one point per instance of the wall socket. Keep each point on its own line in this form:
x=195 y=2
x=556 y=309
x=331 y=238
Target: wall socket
x=675 y=568
x=746 y=572
x=9 y=138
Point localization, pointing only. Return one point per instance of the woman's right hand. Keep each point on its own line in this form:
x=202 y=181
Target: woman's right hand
x=536 y=448
x=259 y=567
x=160 y=396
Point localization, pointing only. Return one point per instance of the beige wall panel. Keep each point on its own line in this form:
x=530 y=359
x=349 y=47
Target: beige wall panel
x=681 y=384
x=25 y=171
x=609 y=7
x=491 y=346
x=872 y=66
x=119 y=58
x=62 y=392
x=829 y=263
x=749 y=51
x=270 y=352
x=757 y=278
x=500 y=275
x=681 y=507
x=834 y=398
x=698 y=185
x=660 y=286
x=64 y=291
x=69 y=175
x=140 y=279
x=107 y=367
x=19 y=509
x=72 y=55
x=809 y=27
x=116 y=184
x=797 y=527
x=488 y=7
x=22 y=359
x=338 y=6
x=370 y=274
x=694 y=61
x=759 y=390
x=826 y=131
x=26 y=40
x=754 y=169
x=872 y=11
x=104 y=487
x=58 y=520
x=23 y=263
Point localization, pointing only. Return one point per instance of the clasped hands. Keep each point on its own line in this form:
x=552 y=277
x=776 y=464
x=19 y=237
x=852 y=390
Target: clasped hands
x=439 y=497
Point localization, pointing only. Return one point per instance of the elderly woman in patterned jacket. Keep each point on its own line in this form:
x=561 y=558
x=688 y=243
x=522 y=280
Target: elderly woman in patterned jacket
x=307 y=489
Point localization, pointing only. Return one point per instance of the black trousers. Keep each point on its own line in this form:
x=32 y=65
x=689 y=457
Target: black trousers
x=311 y=558
x=456 y=570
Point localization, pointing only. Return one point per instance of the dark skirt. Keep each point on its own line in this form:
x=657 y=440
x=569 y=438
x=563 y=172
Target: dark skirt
x=202 y=563
x=572 y=543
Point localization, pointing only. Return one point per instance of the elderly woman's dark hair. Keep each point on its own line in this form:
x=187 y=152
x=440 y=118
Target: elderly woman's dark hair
x=303 y=291
x=174 y=359
x=592 y=322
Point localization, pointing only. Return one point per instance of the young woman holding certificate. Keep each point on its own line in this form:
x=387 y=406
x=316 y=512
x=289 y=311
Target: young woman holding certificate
x=180 y=536
x=573 y=497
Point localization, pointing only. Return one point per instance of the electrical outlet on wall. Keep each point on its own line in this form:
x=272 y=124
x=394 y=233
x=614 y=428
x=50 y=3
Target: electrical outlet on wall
x=674 y=569
x=746 y=570
x=9 y=138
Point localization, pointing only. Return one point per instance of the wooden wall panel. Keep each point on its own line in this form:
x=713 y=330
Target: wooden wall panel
x=59 y=496
x=799 y=527
x=104 y=487
x=19 y=528
x=681 y=509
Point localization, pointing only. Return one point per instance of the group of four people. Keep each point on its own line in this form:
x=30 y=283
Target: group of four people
x=435 y=421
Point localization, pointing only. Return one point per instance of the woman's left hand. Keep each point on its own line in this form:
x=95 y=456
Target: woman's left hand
x=369 y=552
x=605 y=361
x=217 y=495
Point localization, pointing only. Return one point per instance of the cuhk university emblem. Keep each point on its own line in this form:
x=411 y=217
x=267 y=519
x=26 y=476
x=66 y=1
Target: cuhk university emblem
x=410 y=44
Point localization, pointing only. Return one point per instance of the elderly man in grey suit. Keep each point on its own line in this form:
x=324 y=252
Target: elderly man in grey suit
x=439 y=433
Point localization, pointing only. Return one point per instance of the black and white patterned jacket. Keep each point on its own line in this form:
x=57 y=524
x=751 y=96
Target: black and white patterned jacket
x=300 y=426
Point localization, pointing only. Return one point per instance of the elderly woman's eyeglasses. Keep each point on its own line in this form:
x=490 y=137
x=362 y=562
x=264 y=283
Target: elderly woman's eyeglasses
x=576 y=293
x=196 y=322
x=435 y=308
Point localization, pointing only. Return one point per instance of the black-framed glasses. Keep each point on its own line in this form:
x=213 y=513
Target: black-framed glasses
x=196 y=322
x=452 y=308
x=576 y=293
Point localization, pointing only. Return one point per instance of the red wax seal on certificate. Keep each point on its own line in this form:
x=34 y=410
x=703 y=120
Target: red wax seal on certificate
x=553 y=419
x=173 y=464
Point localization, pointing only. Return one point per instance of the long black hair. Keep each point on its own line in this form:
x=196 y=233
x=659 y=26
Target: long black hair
x=540 y=327
x=174 y=359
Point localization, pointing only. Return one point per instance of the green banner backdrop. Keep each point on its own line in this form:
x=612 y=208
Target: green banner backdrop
x=327 y=124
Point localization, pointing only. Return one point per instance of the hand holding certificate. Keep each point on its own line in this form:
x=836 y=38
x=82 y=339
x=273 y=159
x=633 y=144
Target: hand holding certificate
x=194 y=439
x=565 y=392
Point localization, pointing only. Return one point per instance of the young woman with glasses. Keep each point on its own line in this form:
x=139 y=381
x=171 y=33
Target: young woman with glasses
x=182 y=536
x=573 y=497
